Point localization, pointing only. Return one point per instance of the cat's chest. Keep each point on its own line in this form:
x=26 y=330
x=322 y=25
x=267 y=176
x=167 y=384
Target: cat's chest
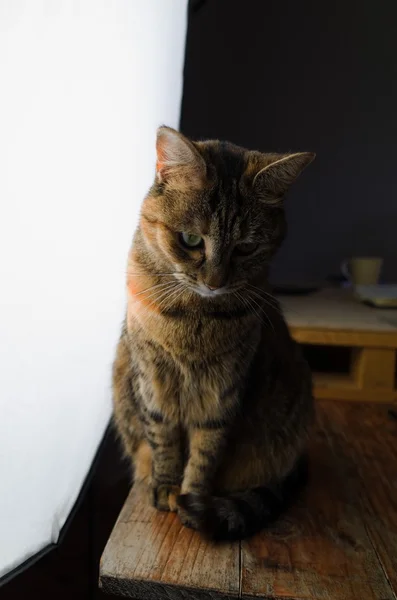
x=188 y=366
x=188 y=335
x=188 y=393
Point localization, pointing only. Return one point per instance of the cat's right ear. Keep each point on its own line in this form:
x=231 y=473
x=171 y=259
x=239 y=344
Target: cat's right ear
x=273 y=181
x=177 y=158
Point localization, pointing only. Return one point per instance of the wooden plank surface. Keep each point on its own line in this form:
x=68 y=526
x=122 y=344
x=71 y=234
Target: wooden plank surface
x=335 y=386
x=339 y=542
x=368 y=436
x=374 y=368
x=326 y=547
x=150 y=555
x=343 y=337
x=337 y=310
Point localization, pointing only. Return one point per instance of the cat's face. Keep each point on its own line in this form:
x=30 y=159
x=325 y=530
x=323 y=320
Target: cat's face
x=214 y=215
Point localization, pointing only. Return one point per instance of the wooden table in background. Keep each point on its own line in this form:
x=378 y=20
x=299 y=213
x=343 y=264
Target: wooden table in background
x=339 y=542
x=335 y=318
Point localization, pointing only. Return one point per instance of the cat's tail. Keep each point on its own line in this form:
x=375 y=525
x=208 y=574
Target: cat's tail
x=240 y=515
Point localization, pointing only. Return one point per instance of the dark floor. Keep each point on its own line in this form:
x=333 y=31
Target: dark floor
x=70 y=571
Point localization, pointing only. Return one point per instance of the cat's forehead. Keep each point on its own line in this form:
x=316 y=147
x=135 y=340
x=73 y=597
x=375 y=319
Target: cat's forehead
x=223 y=209
x=227 y=192
x=226 y=162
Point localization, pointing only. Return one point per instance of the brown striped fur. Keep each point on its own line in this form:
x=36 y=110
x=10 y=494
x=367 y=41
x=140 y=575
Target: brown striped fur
x=212 y=398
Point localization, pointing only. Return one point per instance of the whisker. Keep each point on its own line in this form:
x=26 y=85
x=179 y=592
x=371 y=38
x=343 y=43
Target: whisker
x=242 y=299
x=174 y=300
x=152 y=287
x=172 y=297
x=158 y=294
x=255 y=312
x=254 y=305
x=170 y=293
x=146 y=274
x=263 y=311
x=163 y=295
x=261 y=291
x=276 y=300
x=267 y=298
x=250 y=307
x=276 y=308
x=248 y=302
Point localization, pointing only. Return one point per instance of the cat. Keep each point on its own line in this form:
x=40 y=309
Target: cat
x=212 y=398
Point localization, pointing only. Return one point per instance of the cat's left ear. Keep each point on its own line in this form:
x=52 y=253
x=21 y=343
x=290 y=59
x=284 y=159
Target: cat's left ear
x=272 y=182
x=177 y=158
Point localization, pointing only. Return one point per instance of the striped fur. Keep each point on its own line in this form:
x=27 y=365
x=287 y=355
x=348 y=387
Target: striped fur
x=212 y=398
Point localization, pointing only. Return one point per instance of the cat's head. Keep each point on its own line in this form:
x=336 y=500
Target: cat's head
x=214 y=215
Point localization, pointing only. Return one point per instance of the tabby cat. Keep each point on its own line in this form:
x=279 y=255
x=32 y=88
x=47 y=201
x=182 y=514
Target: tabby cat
x=212 y=399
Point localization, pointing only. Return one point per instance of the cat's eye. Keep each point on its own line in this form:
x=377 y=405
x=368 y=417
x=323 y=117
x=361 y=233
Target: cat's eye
x=189 y=240
x=246 y=248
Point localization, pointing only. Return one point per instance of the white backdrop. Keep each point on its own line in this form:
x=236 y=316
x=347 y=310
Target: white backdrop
x=83 y=86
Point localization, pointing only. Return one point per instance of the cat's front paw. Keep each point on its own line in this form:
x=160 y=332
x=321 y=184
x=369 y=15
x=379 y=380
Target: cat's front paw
x=164 y=497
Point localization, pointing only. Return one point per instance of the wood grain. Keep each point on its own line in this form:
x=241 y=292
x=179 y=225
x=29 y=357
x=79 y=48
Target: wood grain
x=339 y=541
x=368 y=437
x=374 y=368
x=335 y=386
x=150 y=555
x=323 y=548
x=345 y=337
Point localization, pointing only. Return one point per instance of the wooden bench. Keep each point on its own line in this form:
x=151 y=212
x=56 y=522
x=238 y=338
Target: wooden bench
x=334 y=318
x=339 y=542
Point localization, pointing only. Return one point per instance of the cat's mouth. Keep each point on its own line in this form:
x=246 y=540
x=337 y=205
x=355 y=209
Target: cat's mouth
x=201 y=289
x=206 y=292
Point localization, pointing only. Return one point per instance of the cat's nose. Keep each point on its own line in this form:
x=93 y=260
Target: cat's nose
x=215 y=277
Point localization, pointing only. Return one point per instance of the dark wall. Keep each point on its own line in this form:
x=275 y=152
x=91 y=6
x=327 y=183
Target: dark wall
x=307 y=75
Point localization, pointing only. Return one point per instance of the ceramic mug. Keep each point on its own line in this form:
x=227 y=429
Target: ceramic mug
x=362 y=270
